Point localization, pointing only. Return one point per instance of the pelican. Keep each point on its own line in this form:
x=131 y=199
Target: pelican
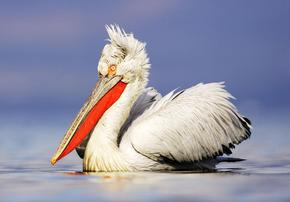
x=124 y=126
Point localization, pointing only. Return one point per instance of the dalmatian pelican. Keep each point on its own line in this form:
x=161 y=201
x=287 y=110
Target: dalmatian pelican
x=124 y=126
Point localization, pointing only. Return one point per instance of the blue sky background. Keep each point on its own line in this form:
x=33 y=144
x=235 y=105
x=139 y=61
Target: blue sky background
x=49 y=49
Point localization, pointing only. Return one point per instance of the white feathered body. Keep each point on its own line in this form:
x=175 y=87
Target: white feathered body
x=143 y=131
x=180 y=131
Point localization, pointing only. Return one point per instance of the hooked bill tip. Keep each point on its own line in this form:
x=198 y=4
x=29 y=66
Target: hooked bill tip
x=53 y=160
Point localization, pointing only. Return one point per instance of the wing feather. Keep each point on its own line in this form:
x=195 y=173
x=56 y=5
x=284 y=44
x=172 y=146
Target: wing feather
x=192 y=125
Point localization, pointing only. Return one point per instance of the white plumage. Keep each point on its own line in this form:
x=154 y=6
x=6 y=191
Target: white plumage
x=189 y=126
x=142 y=130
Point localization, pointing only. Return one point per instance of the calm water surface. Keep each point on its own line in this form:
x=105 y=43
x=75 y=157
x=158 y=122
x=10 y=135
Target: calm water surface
x=26 y=175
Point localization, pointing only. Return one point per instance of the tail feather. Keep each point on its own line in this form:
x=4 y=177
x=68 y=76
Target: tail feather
x=228 y=159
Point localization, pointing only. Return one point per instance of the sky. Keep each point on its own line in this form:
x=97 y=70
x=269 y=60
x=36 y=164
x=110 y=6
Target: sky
x=49 y=50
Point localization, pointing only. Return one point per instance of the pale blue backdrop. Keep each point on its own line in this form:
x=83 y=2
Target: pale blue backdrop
x=49 y=49
x=48 y=58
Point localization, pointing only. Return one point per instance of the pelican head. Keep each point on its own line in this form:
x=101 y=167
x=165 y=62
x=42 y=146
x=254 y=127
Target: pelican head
x=125 y=56
x=123 y=64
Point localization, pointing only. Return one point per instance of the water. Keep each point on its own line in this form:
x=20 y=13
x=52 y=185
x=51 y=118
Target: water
x=26 y=175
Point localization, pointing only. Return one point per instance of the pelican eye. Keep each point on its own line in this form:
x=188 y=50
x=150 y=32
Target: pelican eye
x=112 y=70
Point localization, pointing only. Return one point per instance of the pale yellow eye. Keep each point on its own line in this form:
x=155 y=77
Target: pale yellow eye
x=112 y=70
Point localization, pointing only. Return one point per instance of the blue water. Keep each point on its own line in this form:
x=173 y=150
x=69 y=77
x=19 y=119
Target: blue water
x=29 y=140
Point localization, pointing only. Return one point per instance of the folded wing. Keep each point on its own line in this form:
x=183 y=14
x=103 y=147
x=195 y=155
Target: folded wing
x=188 y=126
